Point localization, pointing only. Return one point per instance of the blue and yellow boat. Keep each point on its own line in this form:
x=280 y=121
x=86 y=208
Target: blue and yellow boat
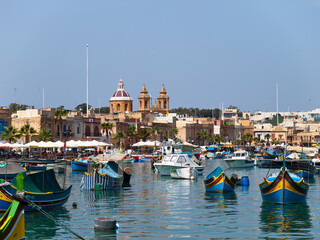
x=12 y=224
x=304 y=173
x=218 y=181
x=284 y=188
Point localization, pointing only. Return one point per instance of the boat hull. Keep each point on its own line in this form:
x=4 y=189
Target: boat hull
x=89 y=181
x=46 y=200
x=13 y=223
x=79 y=166
x=304 y=174
x=165 y=170
x=184 y=173
x=283 y=189
x=218 y=182
x=239 y=163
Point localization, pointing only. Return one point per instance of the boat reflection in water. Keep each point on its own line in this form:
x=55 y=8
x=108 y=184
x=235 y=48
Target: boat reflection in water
x=291 y=220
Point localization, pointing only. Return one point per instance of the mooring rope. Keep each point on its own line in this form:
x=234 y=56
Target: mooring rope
x=35 y=206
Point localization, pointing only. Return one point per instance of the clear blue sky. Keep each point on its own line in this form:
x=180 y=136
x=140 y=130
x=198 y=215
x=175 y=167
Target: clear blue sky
x=205 y=52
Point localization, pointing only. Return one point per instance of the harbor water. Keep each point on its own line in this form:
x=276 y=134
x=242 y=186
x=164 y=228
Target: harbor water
x=155 y=207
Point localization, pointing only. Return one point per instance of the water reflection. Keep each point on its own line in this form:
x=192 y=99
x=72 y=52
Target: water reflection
x=290 y=219
x=38 y=226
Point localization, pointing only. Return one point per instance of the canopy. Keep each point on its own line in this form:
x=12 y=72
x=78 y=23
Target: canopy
x=146 y=144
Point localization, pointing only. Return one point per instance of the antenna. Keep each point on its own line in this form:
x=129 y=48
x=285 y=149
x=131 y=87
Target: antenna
x=42 y=97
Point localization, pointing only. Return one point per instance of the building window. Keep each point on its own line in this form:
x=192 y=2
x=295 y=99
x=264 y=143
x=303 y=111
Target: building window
x=146 y=104
x=140 y=104
x=88 y=131
x=118 y=107
x=78 y=130
x=58 y=130
x=165 y=104
x=96 y=132
x=126 y=107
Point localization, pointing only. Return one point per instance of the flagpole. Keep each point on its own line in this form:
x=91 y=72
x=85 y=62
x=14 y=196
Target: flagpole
x=87 y=80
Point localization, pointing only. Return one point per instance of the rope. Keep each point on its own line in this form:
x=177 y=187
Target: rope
x=35 y=206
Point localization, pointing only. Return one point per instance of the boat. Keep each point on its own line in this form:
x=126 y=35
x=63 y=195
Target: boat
x=12 y=225
x=175 y=161
x=184 y=173
x=219 y=155
x=240 y=159
x=284 y=188
x=291 y=164
x=80 y=164
x=144 y=159
x=110 y=176
x=9 y=169
x=217 y=181
x=40 y=187
x=304 y=173
x=128 y=160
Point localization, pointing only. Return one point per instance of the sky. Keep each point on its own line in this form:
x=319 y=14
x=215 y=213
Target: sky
x=208 y=54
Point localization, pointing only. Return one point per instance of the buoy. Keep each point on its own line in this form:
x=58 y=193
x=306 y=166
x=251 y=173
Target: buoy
x=104 y=223
x=245 y=181
x=74 y=204
x=98 y=187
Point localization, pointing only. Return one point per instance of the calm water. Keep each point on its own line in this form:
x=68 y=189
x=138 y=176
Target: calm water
x=157 y=207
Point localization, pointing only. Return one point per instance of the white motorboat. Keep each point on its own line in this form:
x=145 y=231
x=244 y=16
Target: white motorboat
x=176 y=161
x=240 y=159
x=184 y=173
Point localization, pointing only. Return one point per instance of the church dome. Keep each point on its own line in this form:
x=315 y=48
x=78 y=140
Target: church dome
x=121 y=94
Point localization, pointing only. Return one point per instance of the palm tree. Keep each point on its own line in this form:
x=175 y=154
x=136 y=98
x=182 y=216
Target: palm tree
x=106 y=127
x=203 y=135
x=256 y=140
x=27 y=131
x=249 y=138
x=119 y=136
x=45 y=135
x=173 y=133
x=144 y=134
x=267 y=136
x=10 y=134
x=131 y=132
x=59 y=113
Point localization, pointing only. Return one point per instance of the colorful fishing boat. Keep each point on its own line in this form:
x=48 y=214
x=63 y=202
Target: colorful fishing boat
x=304 y=173
x=218 y=181
x=284 y=188
x=12 y=225
x=109 y=177
x=8 y=170
x=80 y=164
x=40 y=187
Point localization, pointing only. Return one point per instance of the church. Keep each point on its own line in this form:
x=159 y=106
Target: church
x=121 y=101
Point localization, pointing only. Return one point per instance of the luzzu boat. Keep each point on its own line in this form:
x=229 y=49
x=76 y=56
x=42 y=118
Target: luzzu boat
x=8 y=170
x=42 y=188
x=80 y=164
x=12 y=225
x=304 y=173
x=217 y=181
x=284 y=188
x=109 y=177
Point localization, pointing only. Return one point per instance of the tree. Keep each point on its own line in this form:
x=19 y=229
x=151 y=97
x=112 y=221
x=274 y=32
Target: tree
x=10 y=134
x=14 y=107
x=119 y=136
x=267 y=136
x=144 y=134
x=131 y=132
x=106 y=127
x=27 y=131
x=59 y=113
x=101 y=110
x=83 y=108
x=45 y=135
x=173 y=133
x=249 y=138
x=203 y=135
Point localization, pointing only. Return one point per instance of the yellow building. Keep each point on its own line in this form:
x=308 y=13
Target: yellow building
x=120 y=100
